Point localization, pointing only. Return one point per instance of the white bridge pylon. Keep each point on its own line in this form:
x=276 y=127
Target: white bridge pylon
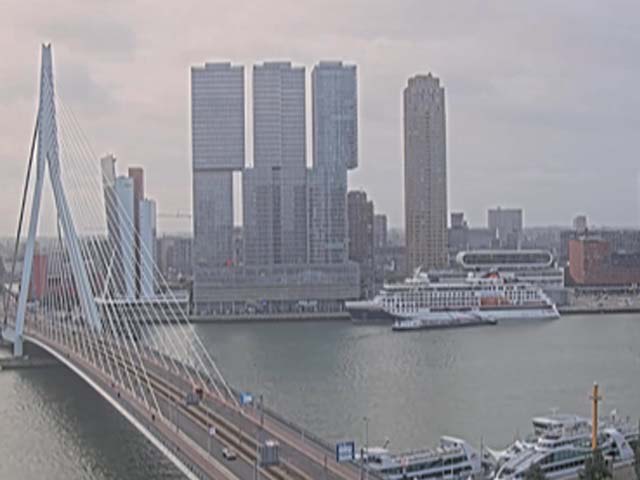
x=48 y=155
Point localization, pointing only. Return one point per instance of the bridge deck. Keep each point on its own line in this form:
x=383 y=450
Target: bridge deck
x=182 y=431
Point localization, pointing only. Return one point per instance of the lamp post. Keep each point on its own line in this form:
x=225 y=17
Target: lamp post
x=365 y=451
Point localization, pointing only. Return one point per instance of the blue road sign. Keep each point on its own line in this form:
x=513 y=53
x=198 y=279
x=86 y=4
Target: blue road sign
x=345 y=451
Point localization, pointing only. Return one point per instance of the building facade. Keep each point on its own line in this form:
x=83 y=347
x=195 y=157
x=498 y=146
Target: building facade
x=361 y=240
x=275 y=189
x=174 y=256
x=125 y=279
x=218 y=149
x=425 y=173
x=137 y=175
x=335 y=150
x=379 y=231
x=147 y=252
x=593 y=262
x=462 y=237
x=508 y=225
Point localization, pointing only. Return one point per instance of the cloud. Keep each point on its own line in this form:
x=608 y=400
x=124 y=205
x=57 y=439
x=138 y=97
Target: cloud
x=542 y=101
x=100 y=37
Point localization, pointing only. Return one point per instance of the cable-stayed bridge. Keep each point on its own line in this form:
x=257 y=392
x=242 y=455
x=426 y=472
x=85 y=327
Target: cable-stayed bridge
x=137 y=351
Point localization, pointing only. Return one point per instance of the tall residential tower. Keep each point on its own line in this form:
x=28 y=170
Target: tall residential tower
x=425 y=173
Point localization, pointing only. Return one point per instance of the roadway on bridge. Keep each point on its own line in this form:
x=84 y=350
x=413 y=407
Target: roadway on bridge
x=187 y=429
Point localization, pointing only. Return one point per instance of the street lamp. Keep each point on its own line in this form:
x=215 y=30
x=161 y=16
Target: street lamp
x=366 y=442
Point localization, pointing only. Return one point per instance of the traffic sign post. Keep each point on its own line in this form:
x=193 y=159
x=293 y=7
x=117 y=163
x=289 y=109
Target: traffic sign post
x=345 y=452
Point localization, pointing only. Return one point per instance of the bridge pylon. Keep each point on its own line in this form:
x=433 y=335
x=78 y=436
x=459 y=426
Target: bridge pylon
x=47 y=158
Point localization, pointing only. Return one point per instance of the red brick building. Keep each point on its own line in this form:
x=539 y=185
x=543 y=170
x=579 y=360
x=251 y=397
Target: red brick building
x=591 y=262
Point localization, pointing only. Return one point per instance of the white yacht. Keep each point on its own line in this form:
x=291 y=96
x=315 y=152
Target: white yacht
x=560 y=445
x=453 y=459
x=491 y=296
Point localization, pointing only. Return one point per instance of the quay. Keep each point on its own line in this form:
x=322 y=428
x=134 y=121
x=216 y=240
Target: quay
x=272 y=317
x=16 y=363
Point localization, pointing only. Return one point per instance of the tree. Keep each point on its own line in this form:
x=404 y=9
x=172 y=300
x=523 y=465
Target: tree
x=534 y=472
x=595 y=468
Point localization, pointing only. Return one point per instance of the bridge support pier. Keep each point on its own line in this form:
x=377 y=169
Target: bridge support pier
x=18 y=346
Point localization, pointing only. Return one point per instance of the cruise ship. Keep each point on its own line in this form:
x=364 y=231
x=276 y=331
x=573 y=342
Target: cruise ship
x=560 y=445
x=491 y=297
x=453 y=459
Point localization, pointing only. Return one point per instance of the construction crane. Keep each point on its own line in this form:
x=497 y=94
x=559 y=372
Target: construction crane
x=178 y=214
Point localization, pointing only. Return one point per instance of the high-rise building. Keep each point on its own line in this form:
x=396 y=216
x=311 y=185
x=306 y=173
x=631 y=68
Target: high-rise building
x=275 y=189
x=126 y=237
x=507 y=225
x=379 y=230
x=137 y=175
x=174 y=256
x=463 y=237
x=361 y=239
x=580 y=224
x=425 y=173
x=147 y=251
x=335 y=150
x=217 y=136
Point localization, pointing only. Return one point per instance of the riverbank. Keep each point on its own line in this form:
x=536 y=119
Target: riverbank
x=273 y=317
x=568 y=310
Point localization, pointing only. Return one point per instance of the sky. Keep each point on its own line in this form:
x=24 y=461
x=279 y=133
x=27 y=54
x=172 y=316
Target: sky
x=542 y=96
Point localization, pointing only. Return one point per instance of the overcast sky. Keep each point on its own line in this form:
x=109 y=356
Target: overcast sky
x=543 y=104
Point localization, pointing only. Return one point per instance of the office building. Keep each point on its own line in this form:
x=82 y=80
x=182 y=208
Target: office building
x=580 y=224
x=217 y=138
x=594 y=262
x=272 y=271
x=462 y=237
x=361 y=241
x=275 y=189
x=137 y=175
x=335 y=150
x=123 y=188
x=173 y=255
x=425 y=173
x=379 y=231
x=508 y=225
x=147 y=240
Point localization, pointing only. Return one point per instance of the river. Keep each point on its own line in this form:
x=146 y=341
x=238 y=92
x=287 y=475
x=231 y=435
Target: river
x=482 y=384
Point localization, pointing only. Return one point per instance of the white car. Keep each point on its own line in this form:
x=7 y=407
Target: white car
x=229 y=454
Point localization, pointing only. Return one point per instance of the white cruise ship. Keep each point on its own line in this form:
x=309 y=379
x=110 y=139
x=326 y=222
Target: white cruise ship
x=561 y=444
x=490 y=297
x=453 y=459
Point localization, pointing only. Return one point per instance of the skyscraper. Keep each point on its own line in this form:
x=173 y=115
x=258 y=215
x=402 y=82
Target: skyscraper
x=507 y=225
x=380 y=230
x=126 y=236
x=425 y=173
x=147 y=249
x=361 y=241
x=217 y=136
x=335 y=149
x=274 y=190
x=137 y=175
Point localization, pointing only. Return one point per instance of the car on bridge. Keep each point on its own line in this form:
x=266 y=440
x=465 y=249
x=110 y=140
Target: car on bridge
x=195 y=396
x=229 y=454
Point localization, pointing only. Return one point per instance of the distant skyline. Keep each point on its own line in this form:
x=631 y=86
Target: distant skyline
x=542 y=102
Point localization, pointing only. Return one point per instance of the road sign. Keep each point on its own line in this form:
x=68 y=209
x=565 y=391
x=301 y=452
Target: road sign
x=345 y=451
x=246 y=398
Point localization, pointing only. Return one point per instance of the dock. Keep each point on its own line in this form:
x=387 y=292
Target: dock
x=17 y=363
